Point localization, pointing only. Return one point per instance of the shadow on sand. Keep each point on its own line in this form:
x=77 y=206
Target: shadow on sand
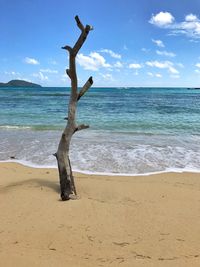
x=32 y=183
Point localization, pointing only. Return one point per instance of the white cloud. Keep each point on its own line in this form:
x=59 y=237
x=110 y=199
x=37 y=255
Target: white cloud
x=111 y=53
x=157 y=64
x=40 y=76
x=32 y=61
x=135 y=66
x=198 y=65
x=180 y=65
x=197 y=71
x=118 y=64
x=158 y=43
x=190 y=26
x=107 y=77
x=165 y=53
x=173 y=70
x=163 y=65
x=191 y=17
x=48 y=71
x=150 y=74
x=13 y=73
x=92 y=62
x=162 y=19
x=193 y=41
x=158 y=75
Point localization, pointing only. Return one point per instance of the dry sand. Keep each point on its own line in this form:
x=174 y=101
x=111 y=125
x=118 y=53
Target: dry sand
x=118 y=221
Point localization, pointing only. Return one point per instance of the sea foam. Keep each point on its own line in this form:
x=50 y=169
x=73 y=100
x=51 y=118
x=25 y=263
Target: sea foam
x=94 y=152
x=132 y=130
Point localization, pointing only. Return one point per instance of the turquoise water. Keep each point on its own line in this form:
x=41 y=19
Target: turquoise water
x=132 y=130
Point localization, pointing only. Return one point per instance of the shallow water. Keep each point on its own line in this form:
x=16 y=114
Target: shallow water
x=132 y=131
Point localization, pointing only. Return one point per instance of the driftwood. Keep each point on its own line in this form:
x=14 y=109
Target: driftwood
x=67 y=185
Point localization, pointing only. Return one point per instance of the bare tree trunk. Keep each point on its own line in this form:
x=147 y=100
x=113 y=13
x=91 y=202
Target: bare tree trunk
x=67 y=185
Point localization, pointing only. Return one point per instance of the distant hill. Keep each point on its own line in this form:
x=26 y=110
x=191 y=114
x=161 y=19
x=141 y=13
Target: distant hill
x=19 y=83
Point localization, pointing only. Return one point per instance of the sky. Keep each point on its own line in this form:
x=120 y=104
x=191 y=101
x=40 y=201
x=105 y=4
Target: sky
x=133 y=43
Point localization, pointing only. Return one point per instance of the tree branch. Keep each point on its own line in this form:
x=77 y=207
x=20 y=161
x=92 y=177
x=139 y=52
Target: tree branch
x=68 y=48
x=68 y=73
x=82 y=37
x=81 y=127
x=79 y=24
x=85 y=87
x=88 y=28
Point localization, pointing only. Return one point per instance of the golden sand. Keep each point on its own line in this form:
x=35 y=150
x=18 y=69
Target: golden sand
x=117 y=221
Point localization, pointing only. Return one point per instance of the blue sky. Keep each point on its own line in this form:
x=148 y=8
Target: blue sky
x=134 y=43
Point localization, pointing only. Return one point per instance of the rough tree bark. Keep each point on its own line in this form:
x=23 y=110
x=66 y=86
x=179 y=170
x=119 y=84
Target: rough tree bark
x=67 y=185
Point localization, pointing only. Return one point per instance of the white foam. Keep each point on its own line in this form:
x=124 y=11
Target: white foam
x=14 y=127
x=105 y=155
x=168 y=170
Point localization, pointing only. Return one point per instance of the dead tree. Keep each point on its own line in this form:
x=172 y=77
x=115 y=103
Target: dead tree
x=67 y=186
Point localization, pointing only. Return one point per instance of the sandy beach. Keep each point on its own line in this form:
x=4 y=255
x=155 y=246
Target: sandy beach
x=117 y=221
x=127 y=74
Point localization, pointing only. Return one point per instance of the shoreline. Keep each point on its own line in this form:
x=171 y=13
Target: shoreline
x=117 y=220
x=35 y=166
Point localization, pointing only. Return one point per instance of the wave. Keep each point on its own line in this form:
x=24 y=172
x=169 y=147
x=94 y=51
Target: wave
x=93 y=152
x=33 y=127
x=14 y=127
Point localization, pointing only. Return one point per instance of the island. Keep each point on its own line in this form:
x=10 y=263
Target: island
x=19 y=83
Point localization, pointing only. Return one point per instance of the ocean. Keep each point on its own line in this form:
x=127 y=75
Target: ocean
x=132 y=130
